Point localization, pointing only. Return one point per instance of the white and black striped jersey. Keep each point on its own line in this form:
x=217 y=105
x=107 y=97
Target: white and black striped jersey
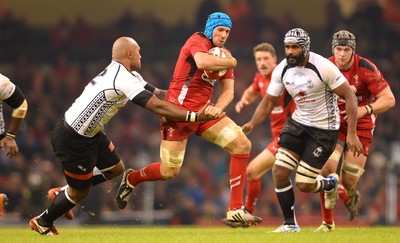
x=102 y=98
x=311 y=88
x=7 y=88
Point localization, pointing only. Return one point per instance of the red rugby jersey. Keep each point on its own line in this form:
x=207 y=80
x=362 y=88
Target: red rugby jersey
x=369 y=82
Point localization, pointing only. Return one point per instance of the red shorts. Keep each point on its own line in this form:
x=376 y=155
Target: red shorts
x=273 y=146
x=364 y=135
x=172 y=130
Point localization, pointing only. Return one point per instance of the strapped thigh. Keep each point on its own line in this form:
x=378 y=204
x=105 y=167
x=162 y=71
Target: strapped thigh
x=171 y=158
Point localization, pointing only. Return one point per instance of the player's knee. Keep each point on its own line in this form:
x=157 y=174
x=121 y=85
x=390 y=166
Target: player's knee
x=326 y=171
x=168 y=172
x=280 y=174
x=78 y=195
x=232 y=138
x=241 y=145
x=251 y=173
x=304 y=187
x=244 y=145
x=117 y=170
x=349 y=182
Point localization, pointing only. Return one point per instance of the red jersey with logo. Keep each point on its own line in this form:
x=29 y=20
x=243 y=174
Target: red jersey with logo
x=283 y=108
x=190 y=88
x=369 y=82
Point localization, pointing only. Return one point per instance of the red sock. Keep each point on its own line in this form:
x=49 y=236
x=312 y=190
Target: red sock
x=237 y=174
x=149 y=173
x=343 y=194
x=252 y=191
x=327 y=214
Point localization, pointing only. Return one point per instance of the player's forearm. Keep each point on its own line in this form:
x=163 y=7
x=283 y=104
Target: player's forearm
x=351 y=112
x=204 y=61
x=17 y=116
x=262 y=112
x=249 y=96
x=384 y=102
x=14 y=125
x=224 y=100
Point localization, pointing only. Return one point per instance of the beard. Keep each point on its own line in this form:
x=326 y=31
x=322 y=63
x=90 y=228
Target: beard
x=296 y=62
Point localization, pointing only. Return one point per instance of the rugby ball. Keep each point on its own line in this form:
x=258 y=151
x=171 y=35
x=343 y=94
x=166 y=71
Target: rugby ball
x=216 y=51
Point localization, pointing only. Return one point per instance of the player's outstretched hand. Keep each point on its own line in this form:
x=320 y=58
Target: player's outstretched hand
x=240 y=104
x=247 y=128
x=209 y=112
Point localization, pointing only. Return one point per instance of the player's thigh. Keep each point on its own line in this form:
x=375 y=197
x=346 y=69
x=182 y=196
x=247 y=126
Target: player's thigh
x=77 y=154
x=261 y=164
x=228 y=135
x=108 y=158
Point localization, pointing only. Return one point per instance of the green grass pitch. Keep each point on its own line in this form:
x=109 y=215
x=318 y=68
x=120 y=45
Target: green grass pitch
x=178 y=234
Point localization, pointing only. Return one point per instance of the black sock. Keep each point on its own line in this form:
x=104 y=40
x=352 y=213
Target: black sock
x=286 y=201
x=57 y=208
x=327 y=184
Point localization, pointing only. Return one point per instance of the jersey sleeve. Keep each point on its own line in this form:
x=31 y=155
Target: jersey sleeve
x=140 y=78
x=197 y=44
x=374 y=79
x=6 y=87
x=129 y=84
x=332 y=75
x=276 y=86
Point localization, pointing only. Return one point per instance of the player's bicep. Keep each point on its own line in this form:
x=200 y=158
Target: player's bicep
x=203 y=60
x=142 y=98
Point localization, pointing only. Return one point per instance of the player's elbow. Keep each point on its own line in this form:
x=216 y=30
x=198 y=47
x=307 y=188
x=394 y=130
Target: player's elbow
x=202 y=65
x=391 y=102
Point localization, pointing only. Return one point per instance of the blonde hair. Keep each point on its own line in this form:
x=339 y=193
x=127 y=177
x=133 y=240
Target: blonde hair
x=264 y=47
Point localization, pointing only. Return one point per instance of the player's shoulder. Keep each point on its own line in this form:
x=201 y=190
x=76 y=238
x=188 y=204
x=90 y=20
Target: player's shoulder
x=197 y=41
x=279 y=69
x=316 y=58
x=321 y=63
x=3 y=77
x=281 y=65
x=198 y=37
x=364 y=63
x=4 y=80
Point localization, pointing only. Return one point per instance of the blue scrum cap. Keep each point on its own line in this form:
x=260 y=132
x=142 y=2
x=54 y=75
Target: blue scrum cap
x=214 y=20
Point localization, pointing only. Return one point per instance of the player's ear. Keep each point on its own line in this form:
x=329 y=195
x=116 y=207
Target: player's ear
x=129 y=54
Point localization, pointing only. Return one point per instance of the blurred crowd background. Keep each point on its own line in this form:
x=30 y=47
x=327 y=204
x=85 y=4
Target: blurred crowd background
x=53 y=63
